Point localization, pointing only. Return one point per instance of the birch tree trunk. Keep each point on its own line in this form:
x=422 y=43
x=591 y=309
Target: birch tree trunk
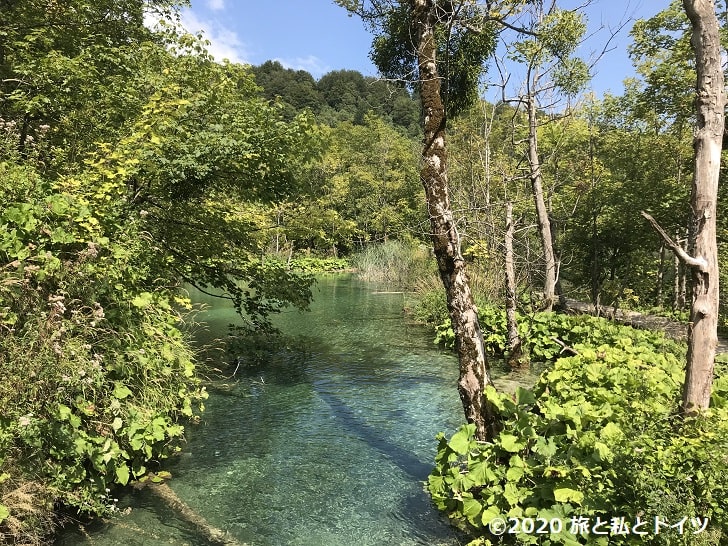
x=474 y=372
x=707 y=142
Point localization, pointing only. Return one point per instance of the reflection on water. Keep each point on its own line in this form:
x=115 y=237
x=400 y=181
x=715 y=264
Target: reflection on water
x=323 y=440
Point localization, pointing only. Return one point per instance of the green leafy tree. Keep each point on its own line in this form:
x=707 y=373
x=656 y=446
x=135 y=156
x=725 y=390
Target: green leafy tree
x=374 y=167
x=59 y=58
x=547 y=53
x=297 y=88
x=151 y=172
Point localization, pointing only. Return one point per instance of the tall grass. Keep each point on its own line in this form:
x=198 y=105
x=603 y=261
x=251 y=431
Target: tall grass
x=396 y=264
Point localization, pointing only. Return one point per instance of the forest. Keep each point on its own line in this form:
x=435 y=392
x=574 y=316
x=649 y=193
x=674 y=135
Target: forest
x=136 y=168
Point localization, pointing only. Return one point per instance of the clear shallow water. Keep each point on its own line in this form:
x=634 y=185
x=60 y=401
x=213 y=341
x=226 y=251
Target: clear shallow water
x=323 y=440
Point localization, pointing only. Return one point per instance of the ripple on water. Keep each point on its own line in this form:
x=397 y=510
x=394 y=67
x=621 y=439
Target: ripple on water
x=323 y=442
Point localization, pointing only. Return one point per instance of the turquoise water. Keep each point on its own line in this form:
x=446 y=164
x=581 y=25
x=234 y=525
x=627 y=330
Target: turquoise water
x=325 y=439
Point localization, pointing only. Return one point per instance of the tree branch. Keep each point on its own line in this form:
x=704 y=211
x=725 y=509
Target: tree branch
x=698 y=263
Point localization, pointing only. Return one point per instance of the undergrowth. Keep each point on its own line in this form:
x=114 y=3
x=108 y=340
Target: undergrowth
x=597 y=440
x=96 y=368
x=547 y=335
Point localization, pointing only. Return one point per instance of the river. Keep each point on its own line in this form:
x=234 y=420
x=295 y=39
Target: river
x=323 y=440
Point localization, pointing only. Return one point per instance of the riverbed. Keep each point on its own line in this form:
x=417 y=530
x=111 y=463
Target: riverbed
x=324 y=438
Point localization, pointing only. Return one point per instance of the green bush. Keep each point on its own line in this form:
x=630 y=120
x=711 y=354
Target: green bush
x=96 y=368
x=598 y=437
x=540 y=330
x=315 y=264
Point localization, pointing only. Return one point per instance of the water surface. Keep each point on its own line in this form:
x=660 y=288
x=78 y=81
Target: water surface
x=322 y=439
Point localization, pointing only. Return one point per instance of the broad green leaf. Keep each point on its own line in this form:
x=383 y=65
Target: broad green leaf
x=122 y=474
x=511 y=443
x=511 y=493
x=547 y=448
x=471 y=507
x=489 y=514
x=524 y=396
x=121 y=391
x=64 y=412
x=514 y=474
x=460 y=441
x=602 y=452
x=565 y=494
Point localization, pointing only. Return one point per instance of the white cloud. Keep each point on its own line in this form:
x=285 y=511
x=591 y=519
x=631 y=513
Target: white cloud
x=224 y=43
x=216 y=5
x=312 y=64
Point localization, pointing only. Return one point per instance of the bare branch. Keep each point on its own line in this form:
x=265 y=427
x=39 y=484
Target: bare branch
x=698 y=263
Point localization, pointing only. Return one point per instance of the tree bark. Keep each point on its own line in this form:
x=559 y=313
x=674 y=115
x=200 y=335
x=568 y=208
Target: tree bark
x=515 y=347
x=707 y=143
x=542 y=214
x=680 y=280
x=474 y=371
x=659 y=285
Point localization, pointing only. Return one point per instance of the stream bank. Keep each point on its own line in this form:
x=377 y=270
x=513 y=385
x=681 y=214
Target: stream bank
x=324 y=439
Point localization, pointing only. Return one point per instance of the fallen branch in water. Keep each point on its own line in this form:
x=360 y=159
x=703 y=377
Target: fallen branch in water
x=165 y=493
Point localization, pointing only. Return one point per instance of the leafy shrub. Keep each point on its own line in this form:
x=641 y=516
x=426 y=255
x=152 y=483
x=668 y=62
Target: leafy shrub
x=96 y=368
x=598 y=436
x=540 y=331
x=315 y=264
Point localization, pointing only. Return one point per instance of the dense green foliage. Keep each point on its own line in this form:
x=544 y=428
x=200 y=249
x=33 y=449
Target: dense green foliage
x=341 y=95
x=597 y=437
x=363 y=190
x=545 y=334
x=130 y=164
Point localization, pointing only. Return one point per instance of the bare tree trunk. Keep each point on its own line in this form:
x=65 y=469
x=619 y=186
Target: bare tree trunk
x=680 y=280
x=474 y=371
x=660 y=275
x=542 y=215
x=707 y=142
x=515 y=348
x=702 y=254
x=683 y=294
x=678 y=305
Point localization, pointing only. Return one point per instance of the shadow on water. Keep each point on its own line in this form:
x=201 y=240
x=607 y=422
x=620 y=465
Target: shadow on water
x=407 y=461
x=323 y=439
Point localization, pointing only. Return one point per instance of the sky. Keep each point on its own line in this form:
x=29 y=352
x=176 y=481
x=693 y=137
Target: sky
x=319 y=36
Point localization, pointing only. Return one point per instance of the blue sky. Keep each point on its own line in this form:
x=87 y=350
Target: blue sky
x=318 y=36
